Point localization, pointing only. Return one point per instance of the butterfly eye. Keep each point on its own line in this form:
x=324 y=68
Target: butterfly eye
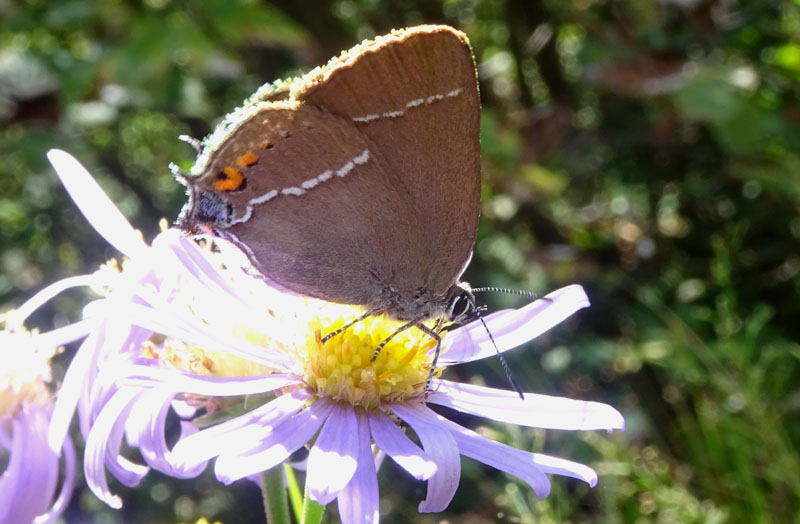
x=462 y=307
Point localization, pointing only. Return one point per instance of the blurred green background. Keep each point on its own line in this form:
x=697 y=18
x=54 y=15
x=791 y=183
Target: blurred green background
x=645 y=149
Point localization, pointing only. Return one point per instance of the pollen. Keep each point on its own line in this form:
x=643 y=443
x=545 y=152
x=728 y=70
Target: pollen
x=25 y=373
x=342 y=368
x=179 y=355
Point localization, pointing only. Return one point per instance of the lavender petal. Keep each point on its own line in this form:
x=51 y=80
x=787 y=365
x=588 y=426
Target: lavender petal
x=277 y=445
x=65 y=494
x=104 y=442
x=440 y=446
x=512 y=328
x=239 y=435
x=75 y=382
x=521 y=464
x=333 y=459
x=95 y=205
x=29 y=481
x=390 y=439
x=540 y=411
x=359 y=500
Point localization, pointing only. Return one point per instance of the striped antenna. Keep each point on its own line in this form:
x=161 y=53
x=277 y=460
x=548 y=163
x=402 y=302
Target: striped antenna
x=519 y=292
x=476 y=312
x=503 y=362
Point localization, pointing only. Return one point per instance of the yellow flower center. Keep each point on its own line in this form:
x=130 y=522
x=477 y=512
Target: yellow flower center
x=25 y=371
x=342 y=368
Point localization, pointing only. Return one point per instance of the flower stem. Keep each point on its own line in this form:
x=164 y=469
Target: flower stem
x=295 y=496
x=312 y=511
x=274 y=493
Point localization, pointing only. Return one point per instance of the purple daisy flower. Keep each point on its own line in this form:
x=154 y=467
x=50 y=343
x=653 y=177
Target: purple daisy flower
x=335 y=397
x=137 y=301
x=182 y=327
x=28 y=484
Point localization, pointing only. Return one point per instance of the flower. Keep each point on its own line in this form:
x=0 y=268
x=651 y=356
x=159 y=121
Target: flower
x=182 y=327
x=135 y=300
x=335 y=397
x=28 y=484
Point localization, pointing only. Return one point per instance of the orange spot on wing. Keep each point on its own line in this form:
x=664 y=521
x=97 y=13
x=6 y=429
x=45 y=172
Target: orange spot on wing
x=247 y=159
x=266 y=145
x=230 y=179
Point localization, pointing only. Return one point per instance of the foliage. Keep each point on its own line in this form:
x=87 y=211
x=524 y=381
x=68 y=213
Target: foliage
x=648 y=150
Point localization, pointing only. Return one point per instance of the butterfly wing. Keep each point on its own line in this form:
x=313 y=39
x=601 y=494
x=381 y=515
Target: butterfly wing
x=365 y=178
x=414 y=93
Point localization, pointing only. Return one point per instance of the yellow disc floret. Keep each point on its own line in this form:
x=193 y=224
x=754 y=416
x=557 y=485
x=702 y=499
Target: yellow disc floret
x=25 y=372
x=342 y=368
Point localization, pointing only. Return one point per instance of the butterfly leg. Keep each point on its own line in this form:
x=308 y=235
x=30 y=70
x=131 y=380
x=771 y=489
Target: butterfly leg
x=390 y=337
x=348 y=326
x=438 y=338
x=425 y=329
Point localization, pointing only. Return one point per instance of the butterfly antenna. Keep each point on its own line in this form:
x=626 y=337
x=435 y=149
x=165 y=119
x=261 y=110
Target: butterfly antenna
x=177 y=172
x=503 y=362
x=519 y=292
x=196 y=144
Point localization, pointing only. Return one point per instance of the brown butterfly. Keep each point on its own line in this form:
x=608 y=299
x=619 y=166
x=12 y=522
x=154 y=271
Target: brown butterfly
x=358 y=183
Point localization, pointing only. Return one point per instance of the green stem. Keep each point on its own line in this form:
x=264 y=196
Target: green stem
x=312 y=511
x=295 y=496
x=272 y=489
